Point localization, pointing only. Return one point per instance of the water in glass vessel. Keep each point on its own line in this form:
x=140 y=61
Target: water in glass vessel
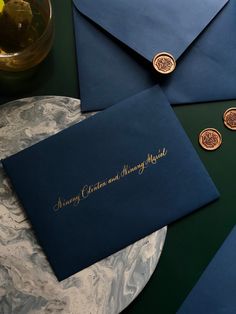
x=25 y=33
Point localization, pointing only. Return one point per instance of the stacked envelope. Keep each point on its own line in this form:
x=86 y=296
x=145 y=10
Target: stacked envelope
x=117 y=41
x=129 y=170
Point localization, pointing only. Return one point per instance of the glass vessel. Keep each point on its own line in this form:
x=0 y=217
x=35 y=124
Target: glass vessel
x=26 y=33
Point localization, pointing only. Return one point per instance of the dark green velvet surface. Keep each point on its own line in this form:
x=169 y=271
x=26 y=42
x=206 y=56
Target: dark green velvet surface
x=191 y=242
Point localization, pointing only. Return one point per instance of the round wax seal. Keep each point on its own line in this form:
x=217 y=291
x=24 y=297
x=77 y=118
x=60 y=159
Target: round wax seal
x=210 y=139
x=230 y=119
x=164 y=63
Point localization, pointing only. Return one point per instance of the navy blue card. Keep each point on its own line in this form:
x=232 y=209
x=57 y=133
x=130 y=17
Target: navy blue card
x=102 y=184
x=215 y=291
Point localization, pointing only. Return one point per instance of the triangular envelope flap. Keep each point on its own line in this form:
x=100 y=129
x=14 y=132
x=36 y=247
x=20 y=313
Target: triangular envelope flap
x=152 y=26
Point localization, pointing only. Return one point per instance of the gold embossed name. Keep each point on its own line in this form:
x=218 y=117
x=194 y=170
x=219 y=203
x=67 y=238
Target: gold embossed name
x=126 y=170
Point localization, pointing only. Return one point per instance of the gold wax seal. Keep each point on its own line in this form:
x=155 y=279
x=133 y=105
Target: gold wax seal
x=164 y=63
x=230 y=119
x=210 y=139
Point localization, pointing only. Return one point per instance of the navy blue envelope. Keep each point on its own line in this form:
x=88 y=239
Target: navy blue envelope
x=107 y=182
x=215 y=291
x=116 y=41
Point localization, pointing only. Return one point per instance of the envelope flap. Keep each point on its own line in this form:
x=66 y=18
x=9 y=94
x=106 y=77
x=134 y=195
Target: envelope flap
x=152 y=26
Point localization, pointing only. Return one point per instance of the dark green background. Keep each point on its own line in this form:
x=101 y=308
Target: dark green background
x=191 y=242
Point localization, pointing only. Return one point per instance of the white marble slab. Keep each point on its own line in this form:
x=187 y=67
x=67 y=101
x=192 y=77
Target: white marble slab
x=27 y=284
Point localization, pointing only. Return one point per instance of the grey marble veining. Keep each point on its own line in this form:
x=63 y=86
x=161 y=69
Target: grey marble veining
x=27 y=284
